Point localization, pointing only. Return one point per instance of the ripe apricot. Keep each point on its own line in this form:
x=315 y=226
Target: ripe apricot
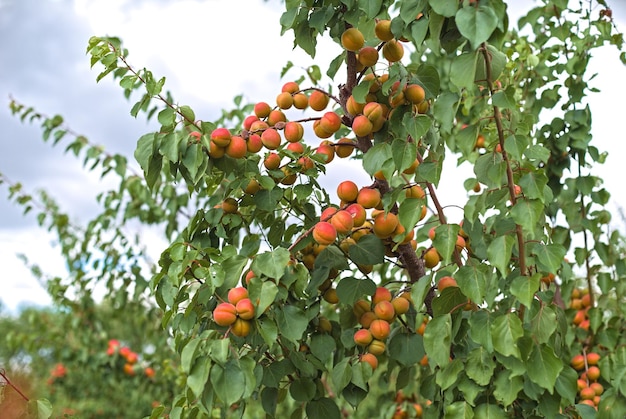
x=380 y=329
x=241 y=327
x=587 y=393
x=237 y=147
x=272 y=161
x=593 y=358
x=368 y=56
x=414 y=93
x=393 y=51
x=221 y=137
x=415 y=191
x=353 y=107
x=254 y=143
x=318 y=101
x=245 y=309
x=352 y=39
x=385 y=310
x=578 y=362
x=363 y=337
x=381 y=294
x=373 y=111
x=225 y=314
x=328 y=213
x=362 y=126
x=347 y=191
x=300 y=101
x=262 y=109
x=401 y=305
x=593 y=373
x=360 y=307
x=275 y=117
x=293 y=131
x=367 y=318
x=359 y=215
x=431 y=258
x=446 y=282
x=368 y=197
x=330 y=296
x=271 y=139
x=344 y=147
x=230 y=206
x=377 y=347
x=247 y=123
x=370 y=359
x=383 y=30
x=385 y=224
x=342 y=221
x=237 y=294
x=284 y=100
x=324 y=233
x=579 y=317
x=296 y=148
x=330 y=122
x=597 y=388
x=290 y=87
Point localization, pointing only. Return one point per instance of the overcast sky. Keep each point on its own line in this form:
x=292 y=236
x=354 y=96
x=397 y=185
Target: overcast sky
x=209 y=51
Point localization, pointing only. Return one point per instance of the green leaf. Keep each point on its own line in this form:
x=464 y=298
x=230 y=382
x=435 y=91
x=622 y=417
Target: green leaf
x=525 y=287
x=544 y=323
x=361 y=90
x=228 y=382
x=44 y=408
x=472 y=280
x=262 y=294
x=544 y=366
x=197 y=378
x=376 y=157
x=272 y=264
x=480 y=329
x=476 y=23
x=266 y=327
x=323 y=408
x=269 y=400
x=404 y=153
x=292 y=322
x=445 y=8
x=507 y=387
x=445 y=240
x=409 y=10
x=323 y=346
x=499 y=253
x=409 y=212
x=490 y=411
x=533 y=185
x=490 y=169
x=505 y=99
x=350 y=289
x=341 y=374
x=462 y=71
x=480 y=366
x=416 y=126
x=188 y=354
x=527 y=213
x=444 y=110
x=369 y=250
x=549 y=256
x=448 y=301
x=459 y=410
x=370 y=7
x=437 y=339
x=427 y=75
x=406 y=348
x=498 y=63
x=267 y=199
x=505 y=331
x=302 y=390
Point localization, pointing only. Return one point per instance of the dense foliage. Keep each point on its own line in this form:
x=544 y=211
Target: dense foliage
x=284 y=299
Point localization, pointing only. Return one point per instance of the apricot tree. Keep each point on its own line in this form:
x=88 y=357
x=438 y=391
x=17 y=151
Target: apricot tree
x=373 y=300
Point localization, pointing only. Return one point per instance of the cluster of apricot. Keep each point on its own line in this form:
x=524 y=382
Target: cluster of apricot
x=375 y=318
x=236 y=313
x=130 y=357
x=581 y=302
x=407 y=406
x=589 y=389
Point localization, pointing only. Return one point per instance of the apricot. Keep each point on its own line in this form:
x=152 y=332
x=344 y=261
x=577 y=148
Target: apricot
x=597 y=388
x=362 y=126
x=446 y=282
x=381 y=294
x=393 y=51
x=380 y=329
x=359 y=215
x=360 y=307
x=290 y=87
x=241 y=327
x=293 y=131
x=400 y=305
x=352 y=39
x=415 y=191
x=328 y=213
x=385 y=224
x=237 y=147
x=326 y=150
x=370 y=359
x=330 y=122
x=431 y=258
x=254 y=143
x=423 y=107
x=367 y=318
x=368 y=56
x=330 y=296
x=324 y=325
x=579 y=317
x=385 y=310
x=578 y=362
x=230 y=206
x=272 y=161
x=296 y=148
x=324 y=233
x=593 y=358
x=414 y=93
x=373 y=111
x=363 y=337
x=284 y=100
x=347 y=191
x=383 y=30
x=344 y=147
x=225 y=314
x=262 y=109
x=342 y=221
x=593 y=373
x=258 y=126
x=221 y=137
x=368 y=198
x=480 y=142
x=271 y=139
x=245 y=309
x=377 y=347
x=275 y=117
x=412 y=168
x=300 y=101
x=318 y=101
x=353 y=107
x=587 y=393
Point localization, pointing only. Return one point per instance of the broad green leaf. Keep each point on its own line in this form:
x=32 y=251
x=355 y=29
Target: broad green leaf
x=459 y=410
x=498 y=63
x=323 y=408
x=276 y=371
x=267 y=329
x=409 y=9
x=472 y=280
x=369 y=250
x=480 y=329
x=445 y=8
x=409 y=212
x=292 y=322
x=533 y=185
x=527 y=213
x=228 y=382
x=566 y=384
x=437 y=339
x=269 y=400
x=489 y=411
x=197 y=378
x=341 y=374
x=427 y=75
x=44 y=408
x=549 y=257
x=463 y=70
x=490 y=169
x=376 y=157
x=370 y=7
x=476 y=23
x=505 y=99
x=515 y=145
x=444 y=110
x=449 y=300
x=272 y=264
x=416 y=126
x=525 y=287
x=188 y=354
x=404 y=153
x=507 y=387
x=322 y=346
x=505 y=331
x=449 y=374
x=302 y=390
x=544 y=366
x=350 y=289
x=543 y=323
x=267 y=199
x=499 y=253
x=406 y=348
x=480 y=366
x=262 y=294
x=445 y=240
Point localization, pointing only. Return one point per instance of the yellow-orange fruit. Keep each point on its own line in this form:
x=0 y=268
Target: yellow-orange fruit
x=347 y=191
x=237 y=147
x=342 y=221
x=383 y=30
x=258 y=126
x=414 y=93
x=431 y=258
x=245 y=309
x=377 y=347
x=360 y=307
x=593 y=358
x=252 y=187
x=380 y=329
x=593 y=373
x=293 y=131
x=362 y=126
x=370 y=359
x=237 y=294
x=221 y=137
x=272 y=161
x=284 y=100
x=367 y=318
x=401 y=305
x=324 y=233
x=446 y=282
x=578 y=362
x=344 y=147
x=353 y=107
x=275 y=117
x=368 y=197
x=330 y=122
x=385 y=311
x=254 y=143
x=381 y=294
x=262 y=109
x=373 y=111
x=327 y=150
x=225 y=314
x=368 y=56
x=330 y=296
x=247 y=123
x=363 y=337
x=385 y=224
x=290 y=87
x=300 y=101
x=271 y=139
x=241 y=328
x=352 y=39
x=415 y=191
x=318 y=101
x=393 y=51
x=230 y=206
x=297 y=147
